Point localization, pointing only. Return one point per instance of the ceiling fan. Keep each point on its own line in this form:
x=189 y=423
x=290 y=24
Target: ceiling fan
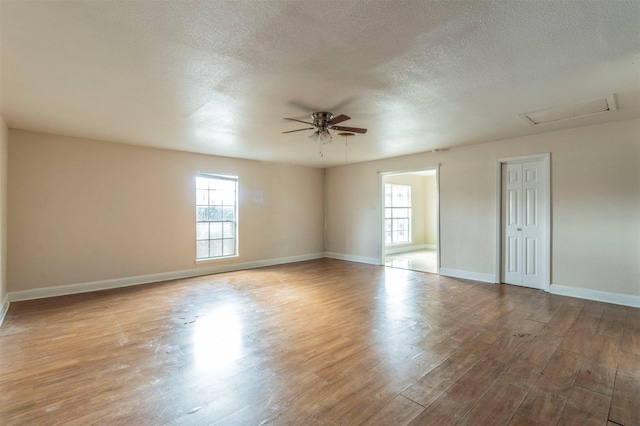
x=322 y=123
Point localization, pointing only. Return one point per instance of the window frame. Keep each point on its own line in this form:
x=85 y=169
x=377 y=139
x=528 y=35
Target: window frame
x=217 y=209
x=390 y=207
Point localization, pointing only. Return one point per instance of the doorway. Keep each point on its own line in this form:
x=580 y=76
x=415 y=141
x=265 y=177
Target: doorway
x=410 y=222
x=523 y=218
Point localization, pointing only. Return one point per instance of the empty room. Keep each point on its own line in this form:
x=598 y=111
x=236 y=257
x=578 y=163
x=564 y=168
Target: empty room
x=218 y=212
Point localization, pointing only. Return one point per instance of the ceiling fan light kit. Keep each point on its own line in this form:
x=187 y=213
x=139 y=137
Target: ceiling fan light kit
x=321 y=136
x=323 y=122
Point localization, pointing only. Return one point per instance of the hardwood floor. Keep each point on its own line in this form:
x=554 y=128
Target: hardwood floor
x=320 y=342
x=425 y=260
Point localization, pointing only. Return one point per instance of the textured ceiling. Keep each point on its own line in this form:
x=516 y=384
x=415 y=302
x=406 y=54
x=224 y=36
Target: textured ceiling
x=218 y=77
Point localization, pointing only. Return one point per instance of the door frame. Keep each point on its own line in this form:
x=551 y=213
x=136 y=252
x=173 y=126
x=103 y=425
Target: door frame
x=546 y=158
x=382 y=211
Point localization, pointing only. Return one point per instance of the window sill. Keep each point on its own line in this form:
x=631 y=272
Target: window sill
x=215 y=259
x=399 y=244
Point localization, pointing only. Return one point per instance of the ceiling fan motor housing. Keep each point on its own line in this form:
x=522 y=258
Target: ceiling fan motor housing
x=325 y=121
x=321 y=120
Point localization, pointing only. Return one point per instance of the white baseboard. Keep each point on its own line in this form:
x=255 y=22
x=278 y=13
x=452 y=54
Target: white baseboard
x=597 y=295
x=350 y=258
x=40 y=293
x=468 y=275
x=4 y=309
x=412 y=247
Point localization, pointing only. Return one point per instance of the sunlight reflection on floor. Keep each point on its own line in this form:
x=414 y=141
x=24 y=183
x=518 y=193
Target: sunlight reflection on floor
x=218 y=338
x=417 y=260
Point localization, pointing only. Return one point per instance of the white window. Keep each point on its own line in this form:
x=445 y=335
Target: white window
x=397 y=213
x=216 y=216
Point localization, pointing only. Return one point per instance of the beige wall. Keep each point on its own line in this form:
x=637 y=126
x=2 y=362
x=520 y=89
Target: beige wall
x=595 y=190
x=430 y=211
x=82 y=210
x=3 y=212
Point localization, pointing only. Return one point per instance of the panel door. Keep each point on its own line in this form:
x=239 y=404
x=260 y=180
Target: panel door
x=523 y=223
x=512 y=223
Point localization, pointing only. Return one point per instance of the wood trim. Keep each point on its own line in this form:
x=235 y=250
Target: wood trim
x=597 y=295
x=62 y=290
x=351 y=258
x=40 y=293
x=467 y=275
x=409 y=247
x=4 y=309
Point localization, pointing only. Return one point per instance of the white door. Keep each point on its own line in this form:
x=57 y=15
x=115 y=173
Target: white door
x=523 y=223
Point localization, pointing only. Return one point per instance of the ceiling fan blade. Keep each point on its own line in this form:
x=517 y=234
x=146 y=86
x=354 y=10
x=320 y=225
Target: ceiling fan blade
x=339 y=119
x=300 y=121
x=349 y=129
x=299 y=130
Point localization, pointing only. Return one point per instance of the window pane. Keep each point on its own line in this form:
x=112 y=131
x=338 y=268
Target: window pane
x=400 y=213
x=229 y=213
x=229 y=246
x=228 y=229
x=216 y=197
x=202 y=214
x=404 y=191
x=215 y=248
x=397 y=195
x=216 y=230
x=214 y=184
x=202 y=197
x=227 y=185
x=202 y=231
x=202 y=249
x=215 y=213
x=229 y=198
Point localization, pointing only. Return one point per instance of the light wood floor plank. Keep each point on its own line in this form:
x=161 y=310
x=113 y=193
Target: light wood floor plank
x=542 y=407
x=460 y=397
x=596 y=376
x=400 y=411
x=585 y=408
x=625 y=402
x=496 y=407
x=559 y=375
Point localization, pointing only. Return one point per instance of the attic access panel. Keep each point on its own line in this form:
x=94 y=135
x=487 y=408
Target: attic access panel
x=594 y=106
